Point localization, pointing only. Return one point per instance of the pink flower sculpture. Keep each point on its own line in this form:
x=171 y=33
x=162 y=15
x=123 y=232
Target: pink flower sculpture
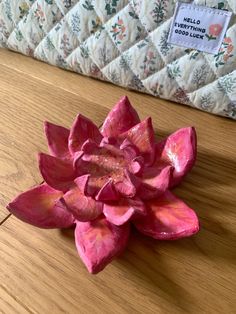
x=103 y=180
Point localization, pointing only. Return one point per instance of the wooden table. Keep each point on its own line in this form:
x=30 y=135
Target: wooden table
x=40 y=271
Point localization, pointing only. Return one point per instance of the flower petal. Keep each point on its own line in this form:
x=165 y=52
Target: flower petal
x=107 y=192
x=142 y=136
x=168 y=218
x=57 y=138
x=82 y=183
x=120 y=119
x=89 y=147
x=58 y=173
x=155 y=181
x=136 y=166
x=127 y=187
x=77 y=159
x=108 y=141
x=84 y=208
x=41 y=207
x=121 y=211
x=179 y=150
x=82 y=130
x=129 y=150
x=98 y=242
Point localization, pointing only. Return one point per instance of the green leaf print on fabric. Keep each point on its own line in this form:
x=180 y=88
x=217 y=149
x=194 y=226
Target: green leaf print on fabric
x=174 y=70
x=8 y=10
x=49 y=44
x=88 y=5
x=206 y=102
x=227 y=84
x=199 y=76
x=84 y=51
x=75 y=23
x=19 y=35
x=165 y=47
x=111 y=6
x=159 y=11
x=125 y=62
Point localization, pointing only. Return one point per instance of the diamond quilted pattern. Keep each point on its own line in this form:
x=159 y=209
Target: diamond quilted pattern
x=11 y=12
x=125 y=42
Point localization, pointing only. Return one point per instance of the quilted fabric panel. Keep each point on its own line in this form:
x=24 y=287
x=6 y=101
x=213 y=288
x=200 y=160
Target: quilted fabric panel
x=37 y=23
x=11 y=12
x=125 y=42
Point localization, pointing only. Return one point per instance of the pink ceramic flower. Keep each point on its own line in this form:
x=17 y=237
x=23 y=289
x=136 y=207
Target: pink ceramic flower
x=215 y=29
x=101 y=180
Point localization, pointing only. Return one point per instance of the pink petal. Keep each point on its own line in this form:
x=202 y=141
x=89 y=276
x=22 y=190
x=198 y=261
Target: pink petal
x=83 y=208
x=92 y=184
x=128 y=185
x=136 y=165
x=57 y=138
x=123 y=210
x=82 y=130
x=107 y=192
x=120 y=119
x=89 y=146
x=179 y=150
x=168 y=218
x=108 y=141
x=82 y=183
x=101 y=153
x=58 y=173
x=142 y=136
x=41 y=207
x=98 y=242
x=77 y=158
x=129 y=150
x=155 y=181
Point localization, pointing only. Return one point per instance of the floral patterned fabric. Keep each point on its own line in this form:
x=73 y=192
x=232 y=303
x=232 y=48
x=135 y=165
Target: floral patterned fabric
x=125 y=42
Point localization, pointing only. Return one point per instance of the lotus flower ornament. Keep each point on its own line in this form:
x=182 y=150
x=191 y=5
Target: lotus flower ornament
x=102 y=180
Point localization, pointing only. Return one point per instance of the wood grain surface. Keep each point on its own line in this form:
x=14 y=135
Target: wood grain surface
x=40 y=271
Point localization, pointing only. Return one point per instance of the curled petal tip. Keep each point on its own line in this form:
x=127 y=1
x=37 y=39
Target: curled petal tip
x=136 y=165
x=89 y=146
x=142 y=136
x=82 y=183
x=57 y=138
x=108 y=141
x=77 y=158
x=120 y=119
x=107 y=192
x=130 y=150
x=82 y=130
x=179 y=150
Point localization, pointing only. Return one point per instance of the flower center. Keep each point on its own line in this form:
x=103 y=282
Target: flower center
x=105 y=163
